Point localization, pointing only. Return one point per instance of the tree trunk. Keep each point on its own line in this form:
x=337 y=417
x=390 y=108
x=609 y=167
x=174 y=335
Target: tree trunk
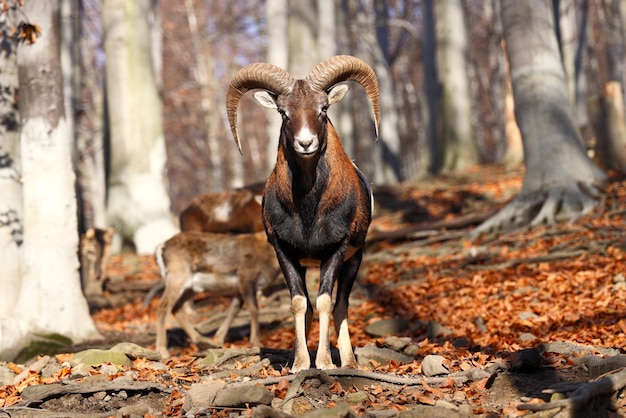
x=50 y=299
x=277 y=54
x=459 y=148
x=138 y=203
x=90 y=160
x=572 y=27
x=610 y=126
x=561 y=182
x=433 y=158
x=11 y=226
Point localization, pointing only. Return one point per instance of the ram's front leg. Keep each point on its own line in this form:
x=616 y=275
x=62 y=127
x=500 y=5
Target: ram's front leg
x=301 y=308
x=328 y=274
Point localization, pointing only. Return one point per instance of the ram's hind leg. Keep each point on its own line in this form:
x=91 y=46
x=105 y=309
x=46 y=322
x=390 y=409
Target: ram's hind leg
x=340 y=312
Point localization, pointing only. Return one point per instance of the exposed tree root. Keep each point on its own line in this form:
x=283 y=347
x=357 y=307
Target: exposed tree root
x=541 y=208
x=581 y=394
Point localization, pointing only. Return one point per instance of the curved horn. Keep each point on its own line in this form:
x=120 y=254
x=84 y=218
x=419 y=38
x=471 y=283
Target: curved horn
x=254 y=76
x=343 y=68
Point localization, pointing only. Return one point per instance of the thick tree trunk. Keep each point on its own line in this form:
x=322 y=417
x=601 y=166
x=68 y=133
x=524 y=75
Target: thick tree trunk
x=561 y=182
x=11 y=227
x=50 y=299
x=459 y=150
x=138 y=203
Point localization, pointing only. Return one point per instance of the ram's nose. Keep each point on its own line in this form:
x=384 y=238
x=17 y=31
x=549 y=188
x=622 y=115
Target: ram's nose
x=306 y=144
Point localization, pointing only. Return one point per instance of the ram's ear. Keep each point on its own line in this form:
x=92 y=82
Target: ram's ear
x=265 y=99
x=336 y=93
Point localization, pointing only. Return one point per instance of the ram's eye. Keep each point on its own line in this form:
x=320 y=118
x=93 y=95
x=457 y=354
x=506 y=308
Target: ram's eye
x=324 y=109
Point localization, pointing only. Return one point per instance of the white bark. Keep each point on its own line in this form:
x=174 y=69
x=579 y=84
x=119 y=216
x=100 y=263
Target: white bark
x=50 y=298
x=138 y=201
x=10 y=175
x=50 y=294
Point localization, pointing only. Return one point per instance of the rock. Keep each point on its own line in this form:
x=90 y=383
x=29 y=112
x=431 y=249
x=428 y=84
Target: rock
x=412 y=350
x=385 y=413
x=81 y=370
x=140 y=409
x=435 y=329
x=526 y=361
x=461 y=342
x=526 y=315
x=527 y=336
x=210 y=358
x=358 y=396
x=243 y=395
x=397 y=343
x=6 y=375
x=264 y=411
x=134 y=351
x=201 y=395
x=50 y=369
x=95 y=357
x=433 y=365
x=387 y=327
x=340 y=411
x=109 y=369
x=424 y=411
x=380 y=354
x=441 y=403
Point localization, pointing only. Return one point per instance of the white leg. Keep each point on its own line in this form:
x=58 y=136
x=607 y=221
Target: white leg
x=301 y=361
x=324 y=306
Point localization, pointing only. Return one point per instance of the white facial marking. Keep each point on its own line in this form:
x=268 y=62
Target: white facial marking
x=305 y=141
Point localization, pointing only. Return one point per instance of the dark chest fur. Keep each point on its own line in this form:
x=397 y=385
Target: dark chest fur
x=313 y=222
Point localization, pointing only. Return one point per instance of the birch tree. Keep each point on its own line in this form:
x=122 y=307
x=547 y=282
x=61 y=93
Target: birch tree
x=11 y=226
x=50 y=299
x=561 y=182
x=138 y=202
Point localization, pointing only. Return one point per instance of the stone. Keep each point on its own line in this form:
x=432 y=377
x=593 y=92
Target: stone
x=202 y=395
x=95 y=357
x=6 y=375
x=435 y=329
x=397 y=343
x=243 y=395
x=381 y=355
x=387 y=327
x=342 y=410
x=433 y=365
x=425 y=411
x=134 y=351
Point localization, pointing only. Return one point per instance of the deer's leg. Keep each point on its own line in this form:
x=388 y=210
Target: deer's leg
x=172 y=294
x=222 y=331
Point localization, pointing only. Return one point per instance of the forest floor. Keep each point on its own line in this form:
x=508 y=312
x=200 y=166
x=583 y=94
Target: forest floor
x=443 y=326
